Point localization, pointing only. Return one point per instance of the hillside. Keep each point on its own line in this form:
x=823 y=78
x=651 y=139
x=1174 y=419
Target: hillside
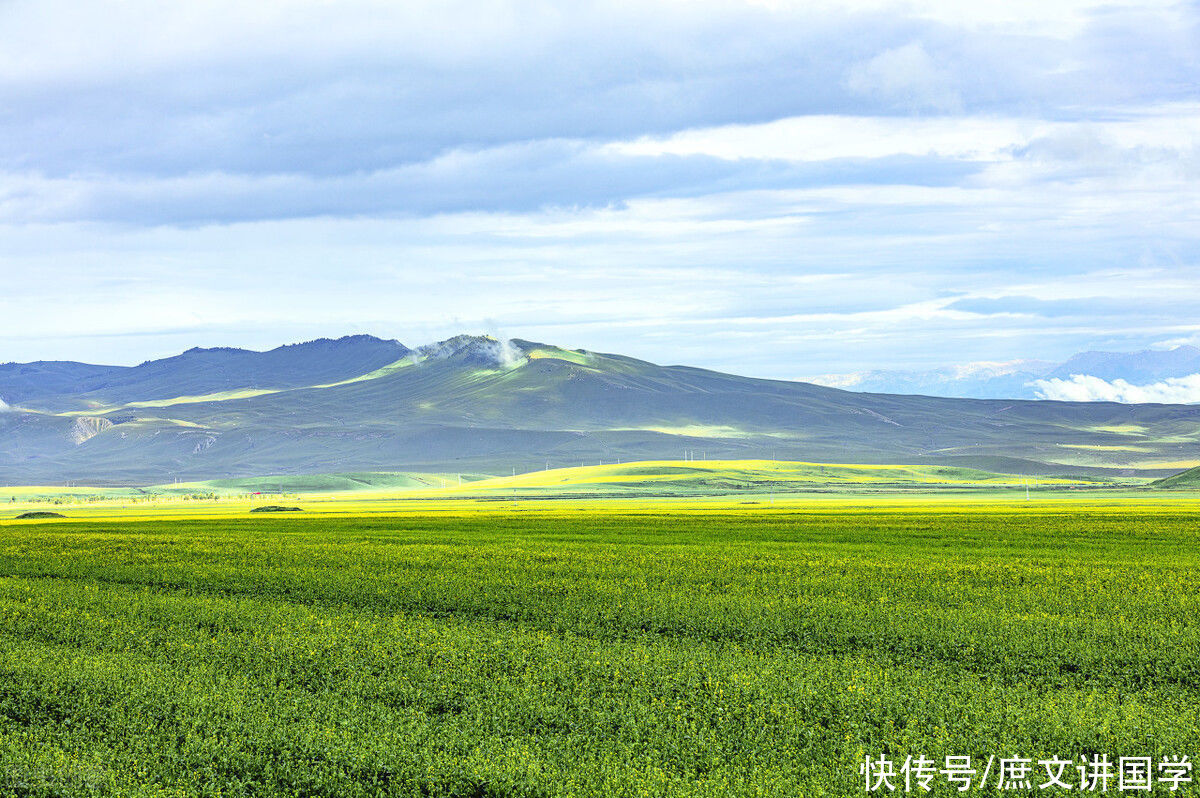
x=1184 y=479
x=475 y=404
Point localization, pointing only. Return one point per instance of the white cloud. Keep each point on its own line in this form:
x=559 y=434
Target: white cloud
x=4 y=408
x=843 y=381
x=1061 y=18
x=906 y=78
x=1168 y=130
x=741 y=185
x=823 y=137
x=1086 y=388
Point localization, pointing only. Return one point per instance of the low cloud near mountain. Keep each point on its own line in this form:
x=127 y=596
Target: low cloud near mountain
x=1085 y=388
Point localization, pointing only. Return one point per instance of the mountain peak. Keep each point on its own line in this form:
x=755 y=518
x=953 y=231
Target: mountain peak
x=199 y=350
x=482 y=350
x=347 y=341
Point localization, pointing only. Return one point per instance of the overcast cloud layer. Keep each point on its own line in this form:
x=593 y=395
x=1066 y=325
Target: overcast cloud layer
x=771 y=188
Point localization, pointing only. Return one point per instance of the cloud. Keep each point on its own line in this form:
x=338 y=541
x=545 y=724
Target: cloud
x=843 y=381
x=820 y=137
x=905 y=78
x=1085 y=388
x=318 y=88
x=774 y=187
x=989 y=157
x=1093 y=307
x=514 y=178
x=4 y=406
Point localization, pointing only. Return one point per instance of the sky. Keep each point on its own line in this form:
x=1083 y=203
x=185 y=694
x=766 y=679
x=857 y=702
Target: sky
x=772 y=188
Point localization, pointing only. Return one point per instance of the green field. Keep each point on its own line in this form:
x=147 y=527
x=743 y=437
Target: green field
x=558 y=652
x=750 y=480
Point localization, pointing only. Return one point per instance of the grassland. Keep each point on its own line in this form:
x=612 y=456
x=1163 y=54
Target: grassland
x=618 y=650
x=660 y=478
x=755 y=481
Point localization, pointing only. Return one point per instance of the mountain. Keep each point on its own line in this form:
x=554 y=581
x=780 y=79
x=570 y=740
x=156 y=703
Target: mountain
x=1150 y=365
x=477 y=404
x=1028 y=379
x=22 y=381
x=199 y=372
x=983 y=380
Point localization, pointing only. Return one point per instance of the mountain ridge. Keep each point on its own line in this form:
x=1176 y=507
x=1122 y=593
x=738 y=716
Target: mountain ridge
x=485 y=405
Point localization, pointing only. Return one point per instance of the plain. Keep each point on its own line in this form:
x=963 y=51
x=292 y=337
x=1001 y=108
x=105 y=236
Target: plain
x=748 y=651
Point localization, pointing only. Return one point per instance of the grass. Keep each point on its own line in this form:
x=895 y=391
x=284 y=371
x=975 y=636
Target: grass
x=340 y=486
x=556 y=353
x=612 y=649
x=717 y=477
x=383 y=371
x=348 y=483
x=1186 y=479
x=715 y=485
x=236 y=394
x=219 y=396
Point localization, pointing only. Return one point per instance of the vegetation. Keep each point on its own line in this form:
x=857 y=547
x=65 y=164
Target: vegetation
x=653 y=479
x=1189 y=479
x=742 y=477
x=546 y=653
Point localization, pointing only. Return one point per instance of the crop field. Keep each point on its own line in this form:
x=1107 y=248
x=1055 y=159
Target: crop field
x=619 y=650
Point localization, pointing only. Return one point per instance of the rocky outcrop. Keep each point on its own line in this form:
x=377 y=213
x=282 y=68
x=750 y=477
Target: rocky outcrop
x=87 y=427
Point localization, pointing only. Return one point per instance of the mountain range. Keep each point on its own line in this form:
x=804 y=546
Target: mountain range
x=1039 y=379
x=482 y=405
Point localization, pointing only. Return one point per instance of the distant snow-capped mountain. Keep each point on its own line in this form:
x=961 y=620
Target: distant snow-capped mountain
x=982 y=380
x=1152 y=375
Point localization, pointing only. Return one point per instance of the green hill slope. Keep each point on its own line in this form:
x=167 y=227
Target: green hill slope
x=1184 y=479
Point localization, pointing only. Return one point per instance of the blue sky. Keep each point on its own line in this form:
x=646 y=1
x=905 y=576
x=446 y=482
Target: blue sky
x=770 y=188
